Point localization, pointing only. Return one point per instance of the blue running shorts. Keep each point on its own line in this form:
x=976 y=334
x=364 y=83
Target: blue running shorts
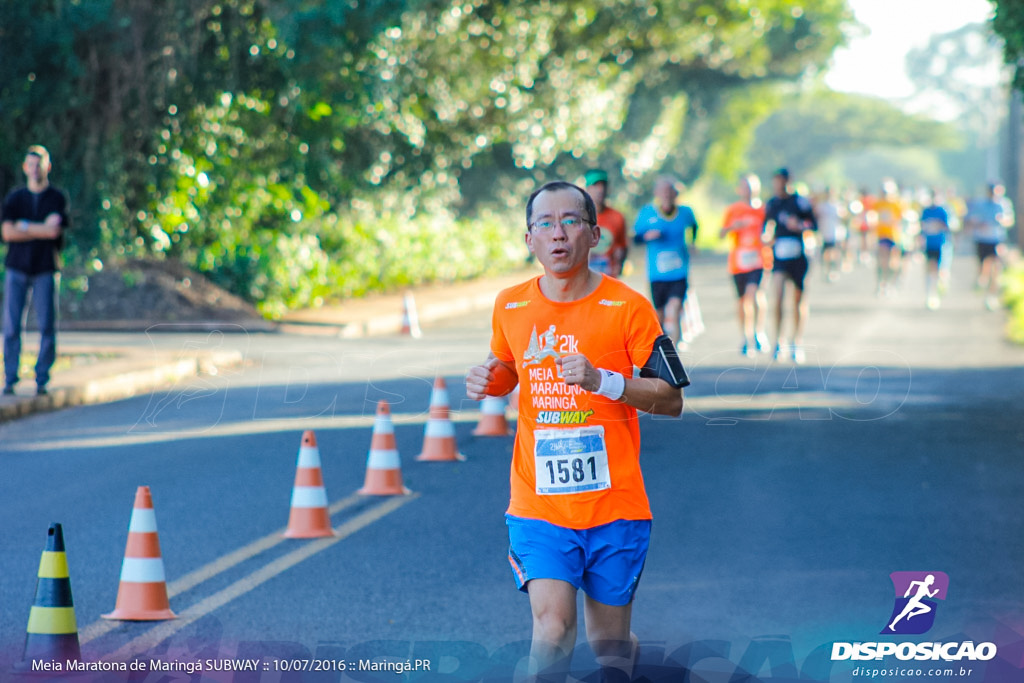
x=605 y=561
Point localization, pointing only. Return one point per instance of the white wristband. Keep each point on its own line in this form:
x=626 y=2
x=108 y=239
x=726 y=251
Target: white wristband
x=613 y=384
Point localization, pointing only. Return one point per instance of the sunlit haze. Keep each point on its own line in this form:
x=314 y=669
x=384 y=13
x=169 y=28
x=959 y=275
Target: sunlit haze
x=874 y=63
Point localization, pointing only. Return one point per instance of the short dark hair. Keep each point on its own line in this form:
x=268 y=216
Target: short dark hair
x=588 y=204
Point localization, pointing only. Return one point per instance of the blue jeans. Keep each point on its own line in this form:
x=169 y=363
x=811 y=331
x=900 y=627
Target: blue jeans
x=16 y=286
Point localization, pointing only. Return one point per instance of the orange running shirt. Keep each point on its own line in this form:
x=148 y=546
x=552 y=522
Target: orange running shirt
x=890 y=215
x=745 y=253
x=615 y=328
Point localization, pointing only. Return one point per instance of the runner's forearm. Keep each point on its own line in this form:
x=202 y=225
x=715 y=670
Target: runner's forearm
x=653 y=395
x=505 y=380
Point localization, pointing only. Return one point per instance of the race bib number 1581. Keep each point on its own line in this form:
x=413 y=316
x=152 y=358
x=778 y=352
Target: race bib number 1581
x=571 y=460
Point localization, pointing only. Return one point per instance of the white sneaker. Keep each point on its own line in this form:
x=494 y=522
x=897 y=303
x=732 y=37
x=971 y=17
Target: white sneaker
x=761 y=342
x=799 y=357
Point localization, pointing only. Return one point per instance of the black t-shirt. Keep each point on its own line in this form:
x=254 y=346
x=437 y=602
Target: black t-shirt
x=35 y=257
x=779 y=210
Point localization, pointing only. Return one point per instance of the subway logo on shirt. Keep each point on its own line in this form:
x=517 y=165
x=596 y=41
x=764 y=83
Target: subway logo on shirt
x=563 y=417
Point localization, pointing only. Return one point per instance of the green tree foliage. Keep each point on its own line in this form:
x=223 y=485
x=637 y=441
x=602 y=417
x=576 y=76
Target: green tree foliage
x=1013 y=299
x=304 y=149
x=812 y=127
x=1008 y=22
x=734 y=130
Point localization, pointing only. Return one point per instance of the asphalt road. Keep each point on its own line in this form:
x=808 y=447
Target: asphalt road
x=783 y=499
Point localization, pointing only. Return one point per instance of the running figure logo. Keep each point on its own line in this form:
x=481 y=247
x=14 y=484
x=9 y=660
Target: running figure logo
x=542 y=347
x=916 y=593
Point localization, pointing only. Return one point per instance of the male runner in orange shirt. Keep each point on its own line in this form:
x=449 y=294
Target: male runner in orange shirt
x=744 y=224
x=578 y=515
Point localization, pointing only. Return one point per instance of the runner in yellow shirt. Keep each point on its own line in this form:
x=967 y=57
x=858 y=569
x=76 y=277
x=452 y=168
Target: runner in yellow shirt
x=889 y=212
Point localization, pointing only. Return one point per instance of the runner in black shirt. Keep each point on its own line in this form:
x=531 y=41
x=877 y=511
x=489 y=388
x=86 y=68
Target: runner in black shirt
x=788 y=216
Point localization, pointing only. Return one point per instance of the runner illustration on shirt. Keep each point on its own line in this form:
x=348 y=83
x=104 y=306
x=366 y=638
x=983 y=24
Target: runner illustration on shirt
x=535 y=353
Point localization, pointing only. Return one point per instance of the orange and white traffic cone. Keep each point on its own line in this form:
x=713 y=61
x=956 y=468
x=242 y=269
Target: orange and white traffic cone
x=410 y=319
x=309 y=517
x=383 y=466
x=142 y=594
x=439 y=434
x=492 y=417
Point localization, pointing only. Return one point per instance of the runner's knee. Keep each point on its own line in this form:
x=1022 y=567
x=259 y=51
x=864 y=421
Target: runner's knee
x=554 y=625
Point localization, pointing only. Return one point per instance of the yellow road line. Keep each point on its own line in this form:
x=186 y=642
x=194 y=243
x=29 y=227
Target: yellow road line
x=208 y=571
x=166 y=629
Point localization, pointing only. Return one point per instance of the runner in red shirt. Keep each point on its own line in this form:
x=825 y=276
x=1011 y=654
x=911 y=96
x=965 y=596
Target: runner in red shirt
x=609 y=255
x=578 y=515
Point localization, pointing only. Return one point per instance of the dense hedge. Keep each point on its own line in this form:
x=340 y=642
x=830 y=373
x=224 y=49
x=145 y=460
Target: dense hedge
x=296 y=151
x=1013 y=297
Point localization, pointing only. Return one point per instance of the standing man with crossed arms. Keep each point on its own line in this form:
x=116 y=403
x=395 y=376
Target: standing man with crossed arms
x=578 y=515
x=33 y=224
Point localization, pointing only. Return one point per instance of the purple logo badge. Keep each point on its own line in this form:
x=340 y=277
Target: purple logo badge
x=916 y=593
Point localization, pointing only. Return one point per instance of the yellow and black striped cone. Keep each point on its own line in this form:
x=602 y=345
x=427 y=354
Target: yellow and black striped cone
x=52 y=633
